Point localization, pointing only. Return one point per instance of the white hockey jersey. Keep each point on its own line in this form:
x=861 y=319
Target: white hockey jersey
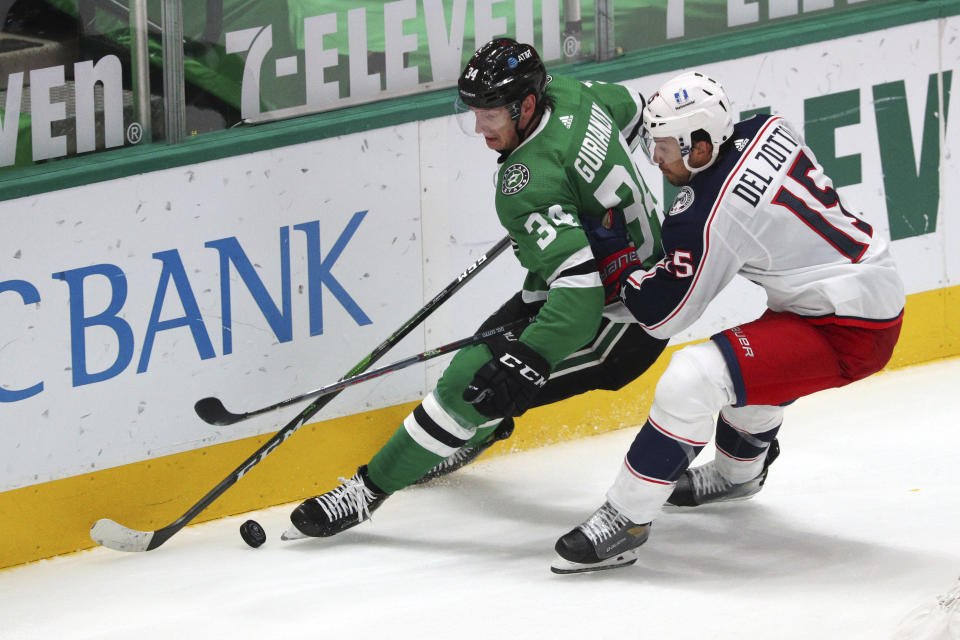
x=767 y=211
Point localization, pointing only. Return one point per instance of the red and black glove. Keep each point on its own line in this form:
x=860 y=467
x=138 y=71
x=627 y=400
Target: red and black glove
x=615 y=255
x=508 y=383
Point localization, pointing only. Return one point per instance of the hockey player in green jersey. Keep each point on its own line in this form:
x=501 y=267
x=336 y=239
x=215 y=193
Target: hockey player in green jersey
x=565 y=153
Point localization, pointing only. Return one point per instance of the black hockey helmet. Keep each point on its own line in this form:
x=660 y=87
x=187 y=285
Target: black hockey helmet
x=502 y=73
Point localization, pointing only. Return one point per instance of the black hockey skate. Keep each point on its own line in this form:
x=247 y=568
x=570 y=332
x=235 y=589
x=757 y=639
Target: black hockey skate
x=703 y=484
x=607 y=540
x=338 y=509
x=467 y=454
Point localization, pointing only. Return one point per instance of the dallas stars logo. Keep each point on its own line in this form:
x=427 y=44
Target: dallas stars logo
x=515 y=177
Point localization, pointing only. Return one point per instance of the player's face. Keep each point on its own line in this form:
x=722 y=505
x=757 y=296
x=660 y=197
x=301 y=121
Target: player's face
x=497 y=128
x=666 y=154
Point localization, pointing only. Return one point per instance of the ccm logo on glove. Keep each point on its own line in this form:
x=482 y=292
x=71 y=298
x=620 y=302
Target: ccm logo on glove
x=524 y=370
x=508 y=383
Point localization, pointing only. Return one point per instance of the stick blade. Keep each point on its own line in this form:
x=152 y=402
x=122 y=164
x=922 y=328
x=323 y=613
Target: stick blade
x=112 y=535
x=212 y=411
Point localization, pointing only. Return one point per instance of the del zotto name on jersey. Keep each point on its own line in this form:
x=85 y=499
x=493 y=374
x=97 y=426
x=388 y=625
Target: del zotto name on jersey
x=760 y=170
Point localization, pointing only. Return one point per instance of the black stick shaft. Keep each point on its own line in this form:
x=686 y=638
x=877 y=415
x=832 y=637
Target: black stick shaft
x=160 y=536
x=450 y=347
x=212 y=411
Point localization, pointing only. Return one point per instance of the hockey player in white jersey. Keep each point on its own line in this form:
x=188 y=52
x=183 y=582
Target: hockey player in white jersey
x=755 y=202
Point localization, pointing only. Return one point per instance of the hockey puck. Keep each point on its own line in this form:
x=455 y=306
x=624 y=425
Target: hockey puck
x=252 y=533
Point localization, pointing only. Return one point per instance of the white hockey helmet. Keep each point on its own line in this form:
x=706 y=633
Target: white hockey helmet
x=685 y=104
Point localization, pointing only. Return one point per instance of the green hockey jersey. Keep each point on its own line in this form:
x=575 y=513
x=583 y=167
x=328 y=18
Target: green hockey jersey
x=577 y=162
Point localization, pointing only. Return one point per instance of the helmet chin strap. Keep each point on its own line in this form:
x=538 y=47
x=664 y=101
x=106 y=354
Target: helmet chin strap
x=524 y=132
x=695 y=170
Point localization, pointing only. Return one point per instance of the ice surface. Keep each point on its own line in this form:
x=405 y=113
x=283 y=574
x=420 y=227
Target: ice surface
x=859 y=523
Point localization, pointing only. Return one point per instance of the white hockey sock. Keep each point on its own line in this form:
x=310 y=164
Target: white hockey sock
x=637 y=497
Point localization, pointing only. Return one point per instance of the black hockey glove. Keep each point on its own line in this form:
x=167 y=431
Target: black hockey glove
x=511 y=310
x=615 y=255
x=508 y=383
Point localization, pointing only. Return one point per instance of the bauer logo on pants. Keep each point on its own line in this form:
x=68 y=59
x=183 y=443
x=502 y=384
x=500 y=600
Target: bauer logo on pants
x=515 y=177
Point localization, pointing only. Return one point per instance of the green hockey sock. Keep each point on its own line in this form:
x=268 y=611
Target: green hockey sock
x=481 y=435
x=400 y=462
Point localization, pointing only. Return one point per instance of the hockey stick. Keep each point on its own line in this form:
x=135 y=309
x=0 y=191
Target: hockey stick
x=212 y=411
x=110 y=534
x=430 y=354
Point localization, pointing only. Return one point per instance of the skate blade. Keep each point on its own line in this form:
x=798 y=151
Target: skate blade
x=669 y=507
x=563 y=566
x=293 y=534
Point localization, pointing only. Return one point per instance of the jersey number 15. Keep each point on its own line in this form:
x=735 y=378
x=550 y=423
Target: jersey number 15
x=813 y=206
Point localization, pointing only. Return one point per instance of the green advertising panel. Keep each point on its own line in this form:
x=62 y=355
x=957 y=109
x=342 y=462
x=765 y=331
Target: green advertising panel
x=643 y=24
x=257 y=60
